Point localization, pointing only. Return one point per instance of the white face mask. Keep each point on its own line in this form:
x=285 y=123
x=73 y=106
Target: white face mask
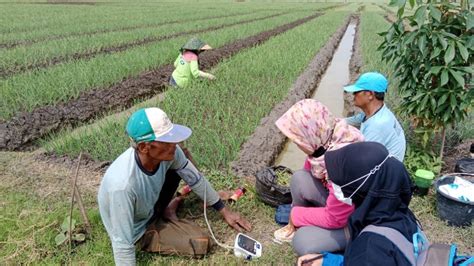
x=338 y=189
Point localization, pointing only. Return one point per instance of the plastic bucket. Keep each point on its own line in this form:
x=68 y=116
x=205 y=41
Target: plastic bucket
x=423 y=180
x=450 y=209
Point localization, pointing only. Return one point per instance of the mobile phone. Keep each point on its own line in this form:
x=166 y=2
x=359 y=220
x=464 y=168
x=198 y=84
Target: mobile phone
x=247 y=247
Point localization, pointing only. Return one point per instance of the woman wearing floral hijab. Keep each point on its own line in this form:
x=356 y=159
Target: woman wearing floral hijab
x=319 y=218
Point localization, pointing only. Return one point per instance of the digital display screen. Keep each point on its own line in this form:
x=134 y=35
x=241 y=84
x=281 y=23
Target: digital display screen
x=247 y=244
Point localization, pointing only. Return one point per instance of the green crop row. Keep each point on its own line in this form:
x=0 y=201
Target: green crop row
x=371 y=24
x=24 y=22
x=66 y=81
x=53 y=18
x=21 y=18
x=223 y=113
x=116 y=23
x=66 y=48
x=372 y=7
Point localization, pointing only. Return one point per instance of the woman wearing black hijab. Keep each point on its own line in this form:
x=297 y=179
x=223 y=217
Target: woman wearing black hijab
x=380 y=188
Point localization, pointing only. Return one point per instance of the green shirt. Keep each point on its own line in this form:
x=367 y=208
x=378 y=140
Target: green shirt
x=186 y=69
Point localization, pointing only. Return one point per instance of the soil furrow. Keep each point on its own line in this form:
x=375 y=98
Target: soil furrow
x=14 y=44
x=18 y=69
x=23 y=129
x=263 y=147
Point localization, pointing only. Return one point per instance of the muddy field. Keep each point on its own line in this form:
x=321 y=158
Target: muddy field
x=23 y=129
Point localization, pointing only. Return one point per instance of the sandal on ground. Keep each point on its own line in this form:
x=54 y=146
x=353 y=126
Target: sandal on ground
x=281 y=233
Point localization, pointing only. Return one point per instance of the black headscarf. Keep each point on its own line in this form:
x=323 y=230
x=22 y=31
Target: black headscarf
x=384 y=198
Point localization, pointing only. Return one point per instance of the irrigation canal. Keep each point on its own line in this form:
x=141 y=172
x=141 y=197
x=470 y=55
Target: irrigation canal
x=329 y=92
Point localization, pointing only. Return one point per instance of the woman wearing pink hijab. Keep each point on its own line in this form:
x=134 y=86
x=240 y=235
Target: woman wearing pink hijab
x=318 y=219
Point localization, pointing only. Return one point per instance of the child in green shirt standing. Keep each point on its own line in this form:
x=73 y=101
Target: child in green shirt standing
x=187 y=66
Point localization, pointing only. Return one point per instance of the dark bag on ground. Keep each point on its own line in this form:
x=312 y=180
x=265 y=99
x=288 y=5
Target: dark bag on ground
x=269 y=190
x=282 y=214
x=421 y=252
x=181 y=237
x=465 y=165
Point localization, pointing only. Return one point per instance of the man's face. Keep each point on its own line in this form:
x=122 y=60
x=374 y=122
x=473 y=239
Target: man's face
x=362 y=98
x=160 y=151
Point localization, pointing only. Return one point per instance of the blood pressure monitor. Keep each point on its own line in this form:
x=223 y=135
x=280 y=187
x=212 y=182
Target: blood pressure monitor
x=247 y=247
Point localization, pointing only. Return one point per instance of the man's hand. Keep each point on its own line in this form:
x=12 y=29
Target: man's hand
x=235 y=220
x=310 y=260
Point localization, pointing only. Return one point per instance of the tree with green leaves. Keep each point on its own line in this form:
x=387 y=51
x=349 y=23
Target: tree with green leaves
x=433 y=62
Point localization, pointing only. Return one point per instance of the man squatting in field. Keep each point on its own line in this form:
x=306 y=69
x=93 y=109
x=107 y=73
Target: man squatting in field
x=137 y=189
x=377 y=123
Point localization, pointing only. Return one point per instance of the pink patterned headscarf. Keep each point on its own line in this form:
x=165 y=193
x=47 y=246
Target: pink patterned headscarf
x=310 y=124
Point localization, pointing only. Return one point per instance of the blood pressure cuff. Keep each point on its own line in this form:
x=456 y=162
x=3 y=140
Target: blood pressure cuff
x=179 y=237
x=190 y=174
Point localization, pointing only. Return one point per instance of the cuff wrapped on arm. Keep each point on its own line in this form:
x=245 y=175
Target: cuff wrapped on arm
x=200 y=185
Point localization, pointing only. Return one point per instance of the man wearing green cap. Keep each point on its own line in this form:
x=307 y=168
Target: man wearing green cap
x=187 y=64
x=377 y=123
x=138 y=187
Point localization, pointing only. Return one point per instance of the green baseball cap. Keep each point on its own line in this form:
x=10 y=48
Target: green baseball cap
x=152 y=124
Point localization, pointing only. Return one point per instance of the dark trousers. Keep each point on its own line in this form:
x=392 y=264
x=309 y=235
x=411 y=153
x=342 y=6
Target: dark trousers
x=173 y=82
x=170 y=187
x=178 y=237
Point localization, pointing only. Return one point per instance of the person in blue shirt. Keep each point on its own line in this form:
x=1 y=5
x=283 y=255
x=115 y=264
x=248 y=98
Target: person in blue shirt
x=366 y=176
x=377 y=123
x=137 y=189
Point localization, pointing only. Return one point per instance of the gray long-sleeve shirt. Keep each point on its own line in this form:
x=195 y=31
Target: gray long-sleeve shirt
x=127 y=196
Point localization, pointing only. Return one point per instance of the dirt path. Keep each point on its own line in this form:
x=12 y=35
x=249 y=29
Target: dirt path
x=23 y=129
x=266 y=142
x=18 y=69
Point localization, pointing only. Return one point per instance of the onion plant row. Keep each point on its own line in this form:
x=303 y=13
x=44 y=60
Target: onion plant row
x=145 y=19
x=44 y=52
x=222 y=113
x=63 y=82
x=52 y=19
x=19 y=19
x=32 y=21
x=372 y=23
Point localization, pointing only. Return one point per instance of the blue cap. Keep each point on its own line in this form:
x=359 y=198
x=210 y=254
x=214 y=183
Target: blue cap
x=152 y=124
x=370 y=81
